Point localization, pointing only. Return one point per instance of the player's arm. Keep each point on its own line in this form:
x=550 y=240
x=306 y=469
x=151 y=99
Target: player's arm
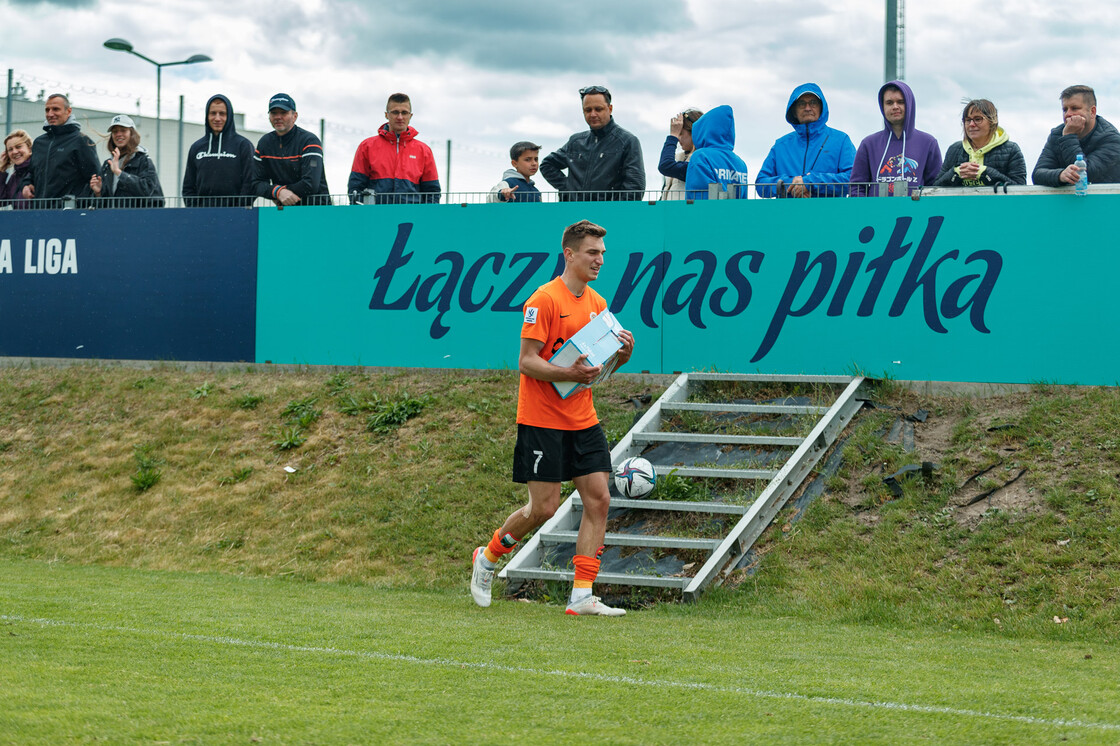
x=533 y=365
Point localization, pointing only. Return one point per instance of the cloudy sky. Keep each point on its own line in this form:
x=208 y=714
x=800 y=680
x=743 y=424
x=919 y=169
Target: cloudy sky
x=485 y=74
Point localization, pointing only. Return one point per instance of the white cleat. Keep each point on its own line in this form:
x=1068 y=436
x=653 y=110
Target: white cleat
x=481 y=579
x=592 y=606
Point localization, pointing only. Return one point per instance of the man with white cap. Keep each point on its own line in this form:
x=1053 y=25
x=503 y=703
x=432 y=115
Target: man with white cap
x=128 y=177
x=66 y=159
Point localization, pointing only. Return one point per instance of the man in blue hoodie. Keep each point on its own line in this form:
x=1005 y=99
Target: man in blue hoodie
x=812 y=161
x=898 y=152
x=219 y=169
x=714 y=160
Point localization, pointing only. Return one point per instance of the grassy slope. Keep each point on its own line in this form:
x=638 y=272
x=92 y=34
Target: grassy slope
x=404 y=509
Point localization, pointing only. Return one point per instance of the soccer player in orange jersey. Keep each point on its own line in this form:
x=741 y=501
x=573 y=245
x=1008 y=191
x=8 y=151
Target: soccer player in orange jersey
x=559 y=439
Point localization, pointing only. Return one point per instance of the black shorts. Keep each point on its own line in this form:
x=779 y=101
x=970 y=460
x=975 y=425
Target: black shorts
x=546 y=455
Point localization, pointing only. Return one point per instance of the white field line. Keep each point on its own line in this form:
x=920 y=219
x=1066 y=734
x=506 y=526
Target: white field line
x=581 y=675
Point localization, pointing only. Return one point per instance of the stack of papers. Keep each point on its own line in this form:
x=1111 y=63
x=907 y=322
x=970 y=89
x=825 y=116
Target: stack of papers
x=599 y=340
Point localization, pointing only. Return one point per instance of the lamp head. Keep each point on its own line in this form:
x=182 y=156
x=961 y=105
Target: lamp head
x=198 y=58
x=119 y=44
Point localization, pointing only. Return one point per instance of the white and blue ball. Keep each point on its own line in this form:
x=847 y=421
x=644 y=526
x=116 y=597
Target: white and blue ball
x=635 y=477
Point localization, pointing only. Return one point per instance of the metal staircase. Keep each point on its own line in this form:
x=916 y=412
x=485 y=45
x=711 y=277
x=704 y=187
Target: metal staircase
x=685 y=433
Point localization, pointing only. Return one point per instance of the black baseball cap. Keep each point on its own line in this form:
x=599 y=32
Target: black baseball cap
x=282 y=101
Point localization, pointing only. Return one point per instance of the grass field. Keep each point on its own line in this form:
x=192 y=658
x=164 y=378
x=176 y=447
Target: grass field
x=265 y=555
x=113 y=655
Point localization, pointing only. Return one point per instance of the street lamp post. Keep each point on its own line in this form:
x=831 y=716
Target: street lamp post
x=121 y=45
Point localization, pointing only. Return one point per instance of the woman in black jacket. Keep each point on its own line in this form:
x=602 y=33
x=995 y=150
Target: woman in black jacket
x=985 y=156
x=129 y=178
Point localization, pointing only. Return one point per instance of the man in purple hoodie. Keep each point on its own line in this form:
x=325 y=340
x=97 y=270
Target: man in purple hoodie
x=898 y=151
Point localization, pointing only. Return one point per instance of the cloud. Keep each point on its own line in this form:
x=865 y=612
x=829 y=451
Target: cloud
x=59 y=3
x=586 y=37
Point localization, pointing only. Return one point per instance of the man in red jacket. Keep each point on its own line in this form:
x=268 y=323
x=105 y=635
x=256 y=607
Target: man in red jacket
x=393 y=167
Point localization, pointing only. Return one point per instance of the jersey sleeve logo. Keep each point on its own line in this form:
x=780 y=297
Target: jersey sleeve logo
x=530 y=315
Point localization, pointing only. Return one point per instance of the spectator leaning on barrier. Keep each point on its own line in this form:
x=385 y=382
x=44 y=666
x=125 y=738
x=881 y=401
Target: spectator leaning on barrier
x=899 y=151
x=62 y=159
x=814 y=160
x=673 y=165
x=604 y=163
x=17 y=156
x=393 y=165
x=714 y=160
x=1082 y=132
x=219 y=169
x=288 y=162
x=985 y=156
x=517 y=183
x=128 y=177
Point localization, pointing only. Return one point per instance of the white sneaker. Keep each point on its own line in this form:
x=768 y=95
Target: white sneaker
x=592 y=606
x=481 y=579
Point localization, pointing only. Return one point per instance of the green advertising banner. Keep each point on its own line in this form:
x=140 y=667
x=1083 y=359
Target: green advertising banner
x=1002 y=289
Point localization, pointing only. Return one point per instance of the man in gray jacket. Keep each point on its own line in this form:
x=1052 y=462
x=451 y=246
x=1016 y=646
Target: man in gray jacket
x=604 y=163
x=1081 y=132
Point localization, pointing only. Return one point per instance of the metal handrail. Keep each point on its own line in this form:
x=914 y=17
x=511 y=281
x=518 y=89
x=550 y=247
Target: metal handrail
x=476 y=198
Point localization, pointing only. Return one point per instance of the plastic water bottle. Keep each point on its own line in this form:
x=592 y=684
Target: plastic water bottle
x=1081 y=188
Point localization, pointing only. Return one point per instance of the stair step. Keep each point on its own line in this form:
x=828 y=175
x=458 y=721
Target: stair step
x=714 y=473
x=685 y=406
x=767 y=378
x=618 y=578
x=693 y=507
x=635 y=540
x=715 y=438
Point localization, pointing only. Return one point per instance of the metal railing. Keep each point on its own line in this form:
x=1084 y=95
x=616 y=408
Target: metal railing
x=475 y=198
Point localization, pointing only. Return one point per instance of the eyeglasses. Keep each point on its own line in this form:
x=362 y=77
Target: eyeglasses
x=807 y=102
x=399 y=113
x=975 y=120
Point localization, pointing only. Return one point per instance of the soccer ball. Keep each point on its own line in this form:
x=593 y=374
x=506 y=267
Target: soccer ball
x=635 y=477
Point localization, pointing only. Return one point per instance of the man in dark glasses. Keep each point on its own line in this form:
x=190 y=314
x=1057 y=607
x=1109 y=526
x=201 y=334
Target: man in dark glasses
x=603 y=163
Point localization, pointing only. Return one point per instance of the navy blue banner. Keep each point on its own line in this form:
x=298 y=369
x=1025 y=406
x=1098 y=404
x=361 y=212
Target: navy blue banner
x=156 y=284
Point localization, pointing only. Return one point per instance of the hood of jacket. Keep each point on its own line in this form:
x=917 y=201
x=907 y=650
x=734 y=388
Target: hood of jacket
x=811 y=128
x=71 y=125
x=908 y=98
x=999 y=137
x=406 y=136
x=230 y=128
x=216 y=142
x=513 y=173
x=716 y=129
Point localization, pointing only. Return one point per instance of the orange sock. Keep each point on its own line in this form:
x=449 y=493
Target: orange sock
x=500 y=545
x=587 y=569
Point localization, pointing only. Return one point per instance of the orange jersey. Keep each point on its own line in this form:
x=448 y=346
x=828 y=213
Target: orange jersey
x=552 y=316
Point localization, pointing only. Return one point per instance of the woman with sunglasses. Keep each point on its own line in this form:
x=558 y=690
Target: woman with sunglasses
x=674 y=163
x=985 y=156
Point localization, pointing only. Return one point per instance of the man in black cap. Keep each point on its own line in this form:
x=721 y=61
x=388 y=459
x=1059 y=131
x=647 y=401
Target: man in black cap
x=288 y=162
